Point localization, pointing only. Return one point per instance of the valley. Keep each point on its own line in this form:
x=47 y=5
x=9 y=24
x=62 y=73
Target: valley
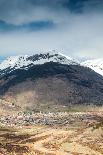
x=50 y=105
x=79 y=133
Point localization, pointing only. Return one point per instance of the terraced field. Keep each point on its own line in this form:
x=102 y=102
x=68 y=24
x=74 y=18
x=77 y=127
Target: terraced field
x=78 y=138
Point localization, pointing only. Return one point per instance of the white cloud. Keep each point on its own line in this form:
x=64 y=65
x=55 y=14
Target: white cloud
x=78 y=35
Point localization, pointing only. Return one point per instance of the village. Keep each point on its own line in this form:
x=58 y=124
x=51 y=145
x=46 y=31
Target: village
x=59 y=118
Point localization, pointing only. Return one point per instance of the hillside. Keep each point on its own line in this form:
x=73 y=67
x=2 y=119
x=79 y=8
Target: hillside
x=51 y=83
x=95 y=64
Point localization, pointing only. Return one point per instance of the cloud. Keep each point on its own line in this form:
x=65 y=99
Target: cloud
x=71 y=26
x=24 y=11
x=33 y=26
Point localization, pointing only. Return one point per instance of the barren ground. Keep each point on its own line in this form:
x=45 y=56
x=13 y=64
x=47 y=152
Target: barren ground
x=80 y=137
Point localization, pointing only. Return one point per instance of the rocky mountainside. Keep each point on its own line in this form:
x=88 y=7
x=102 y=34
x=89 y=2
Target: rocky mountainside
x=50 y=79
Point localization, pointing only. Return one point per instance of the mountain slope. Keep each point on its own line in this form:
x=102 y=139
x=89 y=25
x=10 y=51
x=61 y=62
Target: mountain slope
x=26 y=61
x=96 y=65
x=58 y=80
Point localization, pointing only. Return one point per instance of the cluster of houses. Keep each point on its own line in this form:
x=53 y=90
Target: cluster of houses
x=61 y=118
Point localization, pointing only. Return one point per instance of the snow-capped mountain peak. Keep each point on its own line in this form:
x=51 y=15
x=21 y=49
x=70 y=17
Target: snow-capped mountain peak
x=95 y=64
x=13 y=61
x=24 y=61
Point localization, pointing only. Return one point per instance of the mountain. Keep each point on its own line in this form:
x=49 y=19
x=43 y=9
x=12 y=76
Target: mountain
x=95 y=64
x=27 y=82
x=27 y=61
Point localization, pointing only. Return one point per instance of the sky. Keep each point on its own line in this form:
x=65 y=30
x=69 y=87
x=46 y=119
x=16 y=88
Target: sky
x=73 y=27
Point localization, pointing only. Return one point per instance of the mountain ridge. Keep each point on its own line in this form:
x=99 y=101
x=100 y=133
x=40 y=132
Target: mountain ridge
x=25 y=61
x=57 y=81
x=94 y=64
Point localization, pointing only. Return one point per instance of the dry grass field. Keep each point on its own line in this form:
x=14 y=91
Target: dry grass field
x=81 y=136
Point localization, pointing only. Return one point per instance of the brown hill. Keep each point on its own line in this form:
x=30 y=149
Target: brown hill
x=51 y=83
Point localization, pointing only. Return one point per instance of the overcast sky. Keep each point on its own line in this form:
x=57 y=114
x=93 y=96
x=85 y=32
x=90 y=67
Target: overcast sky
x=73 y=27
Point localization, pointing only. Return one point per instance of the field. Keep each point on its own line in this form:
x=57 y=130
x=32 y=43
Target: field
x=76 y=133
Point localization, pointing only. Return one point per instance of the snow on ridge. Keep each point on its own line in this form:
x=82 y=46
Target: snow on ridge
x=13 y=61
x=22 y=61
x=25 y=61
x=95 y=64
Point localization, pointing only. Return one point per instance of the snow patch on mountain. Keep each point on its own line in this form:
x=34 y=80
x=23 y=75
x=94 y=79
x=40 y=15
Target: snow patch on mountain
x=95 y=64
x=24 y=61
